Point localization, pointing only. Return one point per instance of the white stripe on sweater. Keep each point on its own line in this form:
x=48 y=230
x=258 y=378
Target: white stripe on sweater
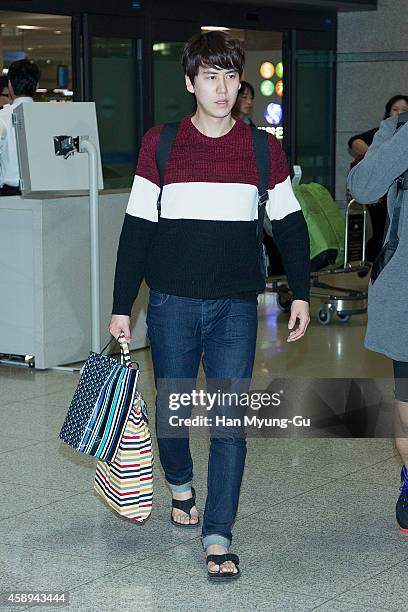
x=282 y=201
x=143 y=199
x=208 y=201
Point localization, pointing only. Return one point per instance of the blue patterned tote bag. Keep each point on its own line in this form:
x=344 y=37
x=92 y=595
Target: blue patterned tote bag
x=102 y=403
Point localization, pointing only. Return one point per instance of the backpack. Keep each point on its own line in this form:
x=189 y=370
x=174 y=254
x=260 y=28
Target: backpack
x=261 y=149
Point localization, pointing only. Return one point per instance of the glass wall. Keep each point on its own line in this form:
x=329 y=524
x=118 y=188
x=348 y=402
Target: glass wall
x=44 y=39
x=115 y=74
x=314 y=115
x=172 y=101
x=117 y=91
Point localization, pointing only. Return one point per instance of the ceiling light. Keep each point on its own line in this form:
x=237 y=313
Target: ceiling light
x=214 y=28
x=58 y=32
x=30 y=27
x=65 y=92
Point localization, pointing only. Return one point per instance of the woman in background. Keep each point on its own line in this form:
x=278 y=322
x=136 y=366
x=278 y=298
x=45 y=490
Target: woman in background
x=358 y=146
x=245 y=102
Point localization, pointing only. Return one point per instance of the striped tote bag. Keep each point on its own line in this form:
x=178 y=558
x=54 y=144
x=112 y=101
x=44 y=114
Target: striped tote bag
x=126 y=483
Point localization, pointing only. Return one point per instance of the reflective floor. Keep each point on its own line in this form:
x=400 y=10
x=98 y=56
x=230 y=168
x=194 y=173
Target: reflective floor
x=315 y=529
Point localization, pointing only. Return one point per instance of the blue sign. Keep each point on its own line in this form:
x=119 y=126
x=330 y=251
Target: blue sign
x=273 y=113
x=13 y=56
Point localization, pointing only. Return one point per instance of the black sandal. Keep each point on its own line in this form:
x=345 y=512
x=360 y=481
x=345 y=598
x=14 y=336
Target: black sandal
x=184 y=505
x=218 y=559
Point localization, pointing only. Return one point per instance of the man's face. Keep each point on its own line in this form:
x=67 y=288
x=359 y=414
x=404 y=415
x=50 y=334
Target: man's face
x=215 y=90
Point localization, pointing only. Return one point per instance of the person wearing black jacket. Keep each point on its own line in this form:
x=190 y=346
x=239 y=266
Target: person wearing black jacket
x=358 y=144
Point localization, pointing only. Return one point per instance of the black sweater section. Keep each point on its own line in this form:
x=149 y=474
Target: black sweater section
x=146 y=251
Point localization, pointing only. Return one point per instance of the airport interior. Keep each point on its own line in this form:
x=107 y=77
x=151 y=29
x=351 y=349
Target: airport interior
x=315 y=527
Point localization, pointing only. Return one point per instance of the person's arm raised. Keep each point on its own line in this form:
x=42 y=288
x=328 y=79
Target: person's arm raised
x=385 y=160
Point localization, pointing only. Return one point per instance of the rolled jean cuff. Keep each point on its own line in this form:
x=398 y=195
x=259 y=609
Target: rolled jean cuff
x=180 y=488
x=215 y=539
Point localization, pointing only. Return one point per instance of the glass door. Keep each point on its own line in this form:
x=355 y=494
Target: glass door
x=44 y=39
x=311 y=99
x=110 y=72
x=171 y=100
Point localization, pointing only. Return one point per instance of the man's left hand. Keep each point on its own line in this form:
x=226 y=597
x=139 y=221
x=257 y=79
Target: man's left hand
x=299 y=312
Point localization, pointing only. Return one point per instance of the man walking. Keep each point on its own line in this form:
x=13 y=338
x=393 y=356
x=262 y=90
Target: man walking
x=200 y=258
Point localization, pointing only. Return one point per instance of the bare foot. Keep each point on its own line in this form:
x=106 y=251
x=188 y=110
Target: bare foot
x=226 y=567
x=182 y=517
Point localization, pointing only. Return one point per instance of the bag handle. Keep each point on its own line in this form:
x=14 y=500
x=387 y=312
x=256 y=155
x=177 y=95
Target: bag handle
x=124 y=350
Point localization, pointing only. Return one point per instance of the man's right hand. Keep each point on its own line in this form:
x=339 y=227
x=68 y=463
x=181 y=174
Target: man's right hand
x=119 y=324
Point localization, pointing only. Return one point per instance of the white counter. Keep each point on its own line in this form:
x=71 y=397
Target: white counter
x=45 y=298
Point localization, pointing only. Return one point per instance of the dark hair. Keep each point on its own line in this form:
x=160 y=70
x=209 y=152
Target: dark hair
x=245 y=86
x=3 y=83
x=212 y=49
x=391 y=103
x=23 y=76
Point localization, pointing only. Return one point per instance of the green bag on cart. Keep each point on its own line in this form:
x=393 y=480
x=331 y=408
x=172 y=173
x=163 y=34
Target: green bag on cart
x=325 y=223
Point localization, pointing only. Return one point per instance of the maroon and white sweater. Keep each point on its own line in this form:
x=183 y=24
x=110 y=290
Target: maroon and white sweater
x=205 y=245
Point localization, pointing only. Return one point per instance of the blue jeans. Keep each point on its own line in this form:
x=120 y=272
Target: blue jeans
x=222 y=333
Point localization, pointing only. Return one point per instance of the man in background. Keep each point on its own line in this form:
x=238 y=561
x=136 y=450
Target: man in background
x=23 y=78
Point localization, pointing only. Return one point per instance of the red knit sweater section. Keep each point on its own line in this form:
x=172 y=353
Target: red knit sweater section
x=226 y=159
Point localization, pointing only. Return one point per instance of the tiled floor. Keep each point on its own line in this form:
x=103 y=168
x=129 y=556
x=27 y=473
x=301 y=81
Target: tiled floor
x=315 y=529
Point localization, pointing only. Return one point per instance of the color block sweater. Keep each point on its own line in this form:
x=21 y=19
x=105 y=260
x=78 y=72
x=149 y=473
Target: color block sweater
x=204 y=245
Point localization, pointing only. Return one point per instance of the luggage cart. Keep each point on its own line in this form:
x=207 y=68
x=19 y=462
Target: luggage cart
x=342 y=301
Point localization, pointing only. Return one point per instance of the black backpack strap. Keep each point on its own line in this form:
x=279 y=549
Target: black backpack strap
x=163 y=150
x=263 y=162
